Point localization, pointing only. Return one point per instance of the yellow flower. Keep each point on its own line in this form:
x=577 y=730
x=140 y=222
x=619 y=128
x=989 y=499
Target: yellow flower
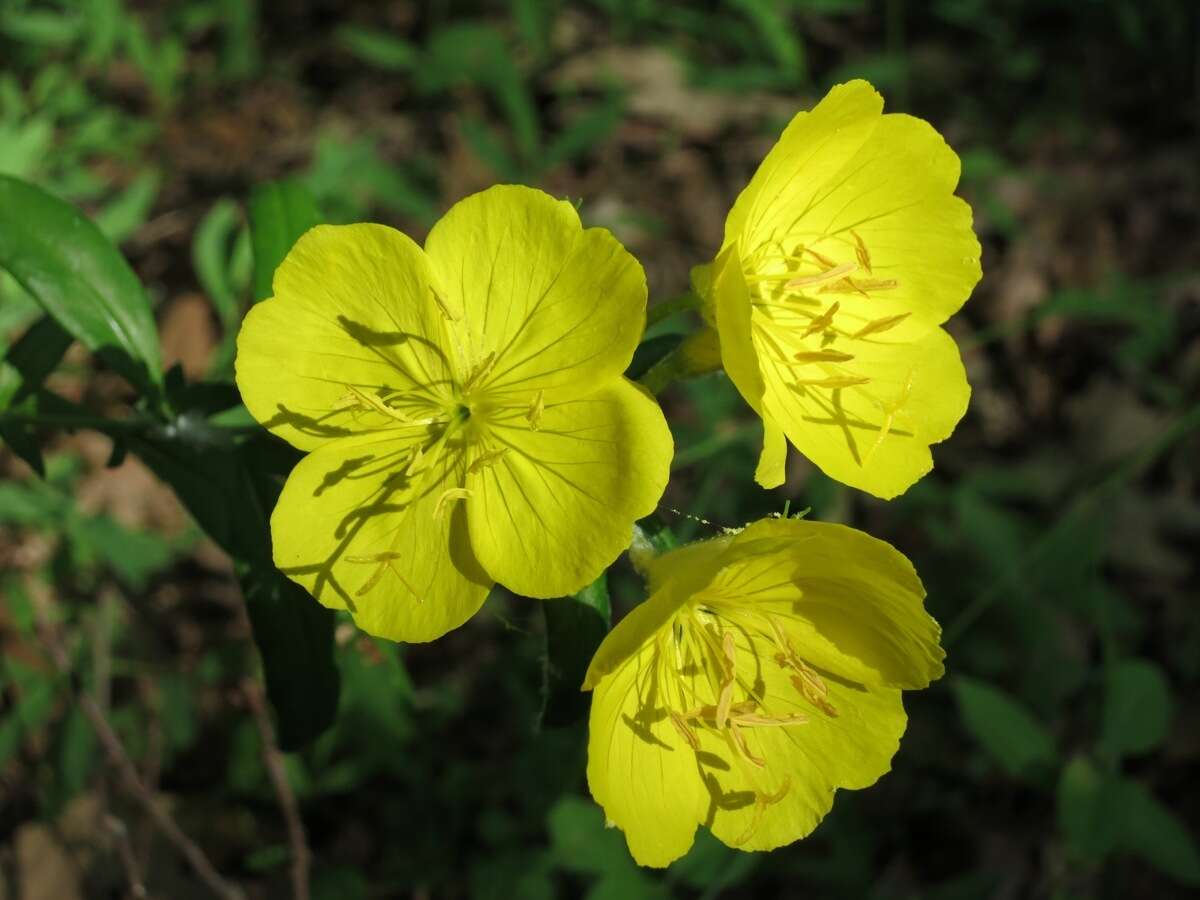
x=463 y=407
x=841 y=258
x=763 y=674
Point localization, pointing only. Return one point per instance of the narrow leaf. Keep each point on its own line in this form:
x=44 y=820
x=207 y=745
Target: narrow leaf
x=280 y=212
x=1003 y=727
x=64 y=261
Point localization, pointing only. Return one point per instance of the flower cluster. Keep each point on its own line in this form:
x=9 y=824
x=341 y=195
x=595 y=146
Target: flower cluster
x=466 y=422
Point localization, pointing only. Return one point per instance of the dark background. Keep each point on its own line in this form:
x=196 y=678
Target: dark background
x=1057 y=536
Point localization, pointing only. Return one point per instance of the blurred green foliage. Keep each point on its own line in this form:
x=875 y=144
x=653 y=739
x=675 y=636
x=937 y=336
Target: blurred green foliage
x=1056 y=538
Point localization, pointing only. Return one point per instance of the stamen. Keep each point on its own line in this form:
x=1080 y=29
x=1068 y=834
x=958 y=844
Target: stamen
x=890 y=415
x=814 y=356
x=536 y=408
x=685 y=730
x=486 y=461
x=845 y=286
x=761 y=802
x=385 y=561
x=447 y=497
x=378 y=404
x=861 y=285
x=834 y=381
x=414 y=464
x=860 y=250
x=834 y=274
x=806 y=680
x=877 y=326
x=346 y=401
x=444 y=307
x=822 y=259
x=739 y=741
x=726 y=697
x=821 y=322
x=480 y=372
x=812 y=687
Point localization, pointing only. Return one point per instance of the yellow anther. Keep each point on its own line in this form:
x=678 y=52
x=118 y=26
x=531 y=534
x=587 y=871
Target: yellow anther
x=860 y=250
x=876 y=284
x=448 y=496
x=685 y=730
x=837 y=273
x=812 y=688
x=845 y=286
x=815 y=356
x=876 y=326
x=480 y=372
x=755 y=719
x=834 y=381
x=806 y=680
x=822 y=259
x=536 y=408
x=486 y=461
x=823 y=321
x=739 y=741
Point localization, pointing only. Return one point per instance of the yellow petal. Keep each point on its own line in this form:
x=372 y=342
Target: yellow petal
x=733 y=312
x=812 y=149
x=874 y=436
x=559 y=506
x=762 y=808
x=352 y=308
x=355 y=525
x=894 y=199
x=773 y=459
x=561 y=307
x=640 y=768
x=854 y=604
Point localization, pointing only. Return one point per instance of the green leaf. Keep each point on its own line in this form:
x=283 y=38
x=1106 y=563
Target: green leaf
x=22 y=372
x=126 y=212
x=64 y=261
x=134 y=556
x=378 y=48
x=1156 y=834
x=1137 y=707
x=211 y=249
x=575 y=626
x=1003 y=727
x=76 y=753
x=587 y=132
x=280 y=212
x=294 y=635
x=1089 y=809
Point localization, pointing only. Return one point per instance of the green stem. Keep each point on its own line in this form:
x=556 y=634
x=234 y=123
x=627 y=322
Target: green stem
x=670 y=306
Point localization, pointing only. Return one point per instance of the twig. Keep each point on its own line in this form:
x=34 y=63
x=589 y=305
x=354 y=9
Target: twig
x=119 y=760
x=273 y=759
x=133 y=873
